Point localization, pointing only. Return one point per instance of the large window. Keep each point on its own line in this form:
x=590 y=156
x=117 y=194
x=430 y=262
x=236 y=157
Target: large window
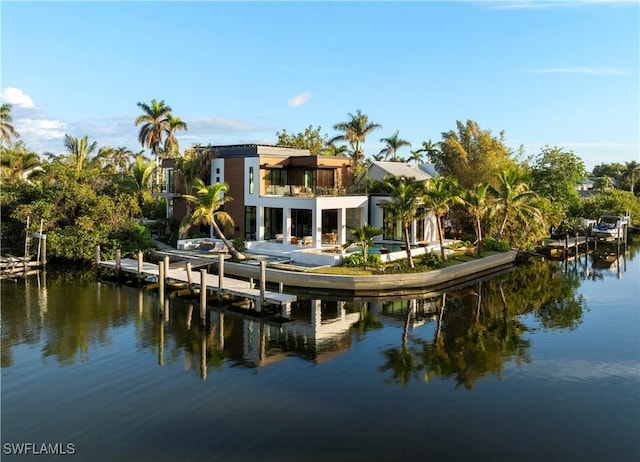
x=250 y=223
x=272 y=222
x=392 y=229
x=301 y=220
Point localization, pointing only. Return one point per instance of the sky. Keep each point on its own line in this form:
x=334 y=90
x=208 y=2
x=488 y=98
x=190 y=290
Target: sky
x=546 y=73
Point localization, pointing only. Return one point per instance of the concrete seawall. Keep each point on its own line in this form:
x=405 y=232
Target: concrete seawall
x=376 y=285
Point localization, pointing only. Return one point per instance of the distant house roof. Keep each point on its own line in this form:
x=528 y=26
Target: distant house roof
x=253 y=150
x=379 y=170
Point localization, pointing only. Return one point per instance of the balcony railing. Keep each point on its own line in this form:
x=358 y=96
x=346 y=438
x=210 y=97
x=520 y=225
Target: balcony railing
x=303 y=191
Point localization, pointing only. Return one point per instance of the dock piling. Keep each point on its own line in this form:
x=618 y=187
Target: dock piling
x=263 y=281
x=203 y=295
x=161 y=282
x=220 y=274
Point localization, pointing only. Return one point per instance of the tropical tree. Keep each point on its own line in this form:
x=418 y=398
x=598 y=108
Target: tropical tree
x=513 y=197
x=476 y=202
x=392 y=144
x=206 y=211
x=155 y=123
x=121 y=159
x=471 y=154
x=191 y=165
x=439 y=195
x=79 y=149
x=354 y=131
x=141 y=173
x=364 y=236
x=6 y=128
x=17 y=163
x=403 y=207
x=174 y=124
x=631 y=173
x=311 y=139
x=416 y=156
x=430 y=149
x=335 y=150
x=555 y=173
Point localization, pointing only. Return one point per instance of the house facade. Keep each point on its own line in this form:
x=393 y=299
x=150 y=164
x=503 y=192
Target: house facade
x=286 y=195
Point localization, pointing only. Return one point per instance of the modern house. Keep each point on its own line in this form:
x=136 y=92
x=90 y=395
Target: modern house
x=286 y=195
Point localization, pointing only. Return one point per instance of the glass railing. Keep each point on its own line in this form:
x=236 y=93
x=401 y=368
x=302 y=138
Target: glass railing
x=304 y=191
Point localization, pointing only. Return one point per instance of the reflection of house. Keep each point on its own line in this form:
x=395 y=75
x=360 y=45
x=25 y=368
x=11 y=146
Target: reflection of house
x=286 y=195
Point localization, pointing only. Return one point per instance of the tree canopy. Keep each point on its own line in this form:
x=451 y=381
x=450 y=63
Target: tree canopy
x=310 y=139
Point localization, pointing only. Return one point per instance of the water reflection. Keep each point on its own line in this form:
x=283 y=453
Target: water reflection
x=462 y=335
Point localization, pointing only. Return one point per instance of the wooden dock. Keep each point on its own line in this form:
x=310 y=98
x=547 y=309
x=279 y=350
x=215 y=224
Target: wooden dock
x=177 y=272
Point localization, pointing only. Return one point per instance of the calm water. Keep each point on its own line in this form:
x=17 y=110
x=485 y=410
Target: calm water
x=539 y=364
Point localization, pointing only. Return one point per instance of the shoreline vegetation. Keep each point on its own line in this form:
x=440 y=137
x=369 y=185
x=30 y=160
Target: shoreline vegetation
x=483 y=192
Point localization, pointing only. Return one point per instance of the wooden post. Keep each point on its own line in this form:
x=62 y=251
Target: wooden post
x=189 y=275
x=203 y=295
x=161 y=282
x=263 y=280
x=43 y=255
x=250 y=283
x=118 y=262
x=280 y=287
x=220 y=273
x=97 y=255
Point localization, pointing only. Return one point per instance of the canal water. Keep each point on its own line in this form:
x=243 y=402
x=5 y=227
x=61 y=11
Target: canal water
x=540 y=363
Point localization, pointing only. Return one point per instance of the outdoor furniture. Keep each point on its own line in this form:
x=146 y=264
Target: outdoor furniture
x=279 y=237
x=307 y=240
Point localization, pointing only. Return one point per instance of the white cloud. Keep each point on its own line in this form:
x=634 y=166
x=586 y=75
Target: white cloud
x=581 y=70
x=16 y=97
x=300 y=99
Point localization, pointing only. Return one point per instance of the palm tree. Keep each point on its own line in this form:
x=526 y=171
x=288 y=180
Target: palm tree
x=155 y=123
x=416 y=156
x=392 y=144
x=121 y=159
x=476 y=203
x=355 y=131
x=403 y=206
x=364 y=236
x=439 y=195
x=206 y=211
x=80 y=149
x=333 y=149
x=6 y=129
x=631 y=173
x=513 y=196
x=193 y=164
x=19 y=164
x=171 y=142
x=430 y=149
x=141 y=173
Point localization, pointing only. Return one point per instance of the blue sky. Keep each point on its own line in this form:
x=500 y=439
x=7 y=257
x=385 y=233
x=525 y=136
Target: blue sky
x=558 y=73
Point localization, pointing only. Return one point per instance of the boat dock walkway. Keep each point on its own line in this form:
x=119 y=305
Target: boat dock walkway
x=178 y=273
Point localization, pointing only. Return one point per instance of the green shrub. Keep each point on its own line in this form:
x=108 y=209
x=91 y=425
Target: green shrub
x=497 y=246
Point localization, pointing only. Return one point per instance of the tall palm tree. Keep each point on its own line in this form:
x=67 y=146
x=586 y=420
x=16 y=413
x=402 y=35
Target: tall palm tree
x=121 y=159
x=403 y=207
x=155 y=124
x=193 y=164
x=206 y=211
x=364 y=236
x=416 y=156
x=174 y=124
x=355 y=131
x=513 y=196
x=430 y=149
x=439 y=195
x=80 y=149
x=631 y=173
x=392 y=144
x=476 y=202
x=6 y=128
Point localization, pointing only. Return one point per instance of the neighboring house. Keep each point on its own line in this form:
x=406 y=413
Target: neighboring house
x=423 y=230
x=287 y=195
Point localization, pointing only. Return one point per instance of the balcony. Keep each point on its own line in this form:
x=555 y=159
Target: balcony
x=303 y=191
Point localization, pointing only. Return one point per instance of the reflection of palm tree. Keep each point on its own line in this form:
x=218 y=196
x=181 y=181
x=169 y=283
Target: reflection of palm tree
x=206 y=211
